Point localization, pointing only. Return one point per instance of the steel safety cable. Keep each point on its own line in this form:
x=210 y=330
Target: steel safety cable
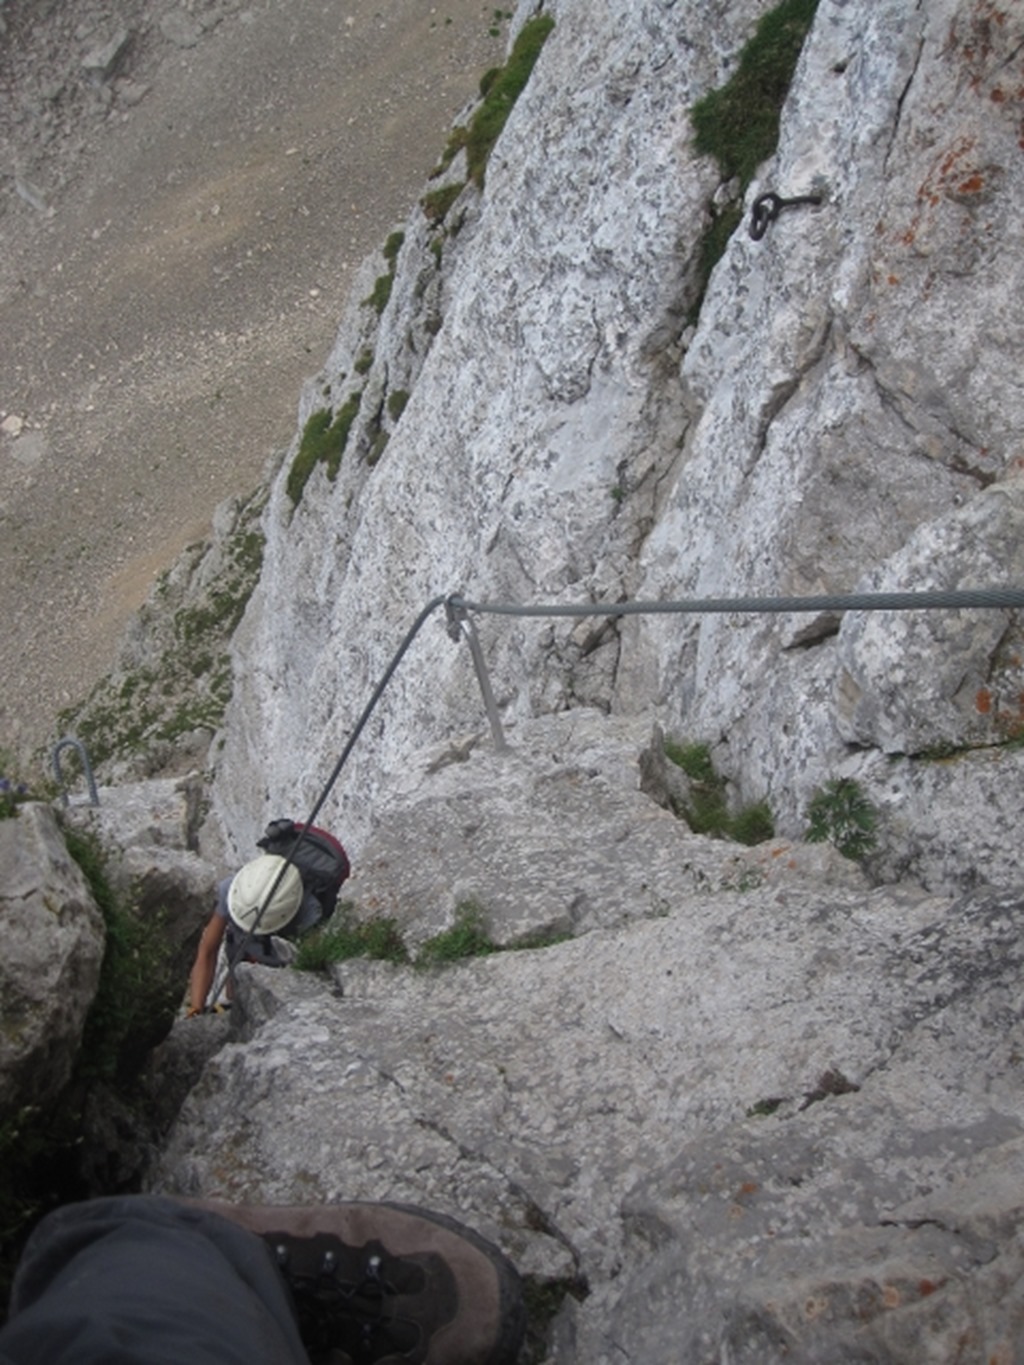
x=925 y=599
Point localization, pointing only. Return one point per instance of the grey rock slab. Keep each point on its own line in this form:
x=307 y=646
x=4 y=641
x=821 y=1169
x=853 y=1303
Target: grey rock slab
x=755 y=1102
x=53 y=947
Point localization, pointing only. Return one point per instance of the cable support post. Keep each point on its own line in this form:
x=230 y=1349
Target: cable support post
x=461 y=624
x=456 y=614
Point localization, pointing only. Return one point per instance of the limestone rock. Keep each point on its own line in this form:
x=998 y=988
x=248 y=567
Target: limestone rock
x=971 y=695
x=149 y=832
x=793 y=1109
x=53 y=947
x=103 y=62
x=759 y=1107
x=552 y=837
x=857 y=438
x=156 y=814
x=181 y=28
x=843 y=412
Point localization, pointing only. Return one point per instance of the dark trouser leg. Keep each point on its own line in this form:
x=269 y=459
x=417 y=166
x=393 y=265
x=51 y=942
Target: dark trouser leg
x=139 y=1280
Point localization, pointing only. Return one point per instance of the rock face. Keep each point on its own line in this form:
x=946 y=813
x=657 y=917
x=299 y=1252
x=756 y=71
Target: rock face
x=53 y=947
x=534 y=420
x=760 y=1105
x=553 y=837
x=149 y=834
x=754 y=1110
x=55 y=943
x=158 y=708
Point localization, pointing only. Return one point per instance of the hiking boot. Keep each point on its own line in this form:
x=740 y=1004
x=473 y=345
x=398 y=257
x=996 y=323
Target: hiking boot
x=390 y=1284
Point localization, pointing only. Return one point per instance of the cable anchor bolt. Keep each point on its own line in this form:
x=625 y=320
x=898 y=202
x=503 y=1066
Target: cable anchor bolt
x=767 y=207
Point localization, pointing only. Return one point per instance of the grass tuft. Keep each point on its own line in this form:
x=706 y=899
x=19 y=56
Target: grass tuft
x=436 y=203
x=345 y=937
x=738 y=124
x=707 y=811
x=397 y=399
x=499 y=89
x=324 y=438
x=753 y=824
x=468 y=937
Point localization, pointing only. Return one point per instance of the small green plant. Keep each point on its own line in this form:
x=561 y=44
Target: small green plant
x=397 y=400
x=345 y=937
x=499 y=88
x=324 y=438
x=467 y=937
x=364 y=363
x=377 y=449
x=379 y=295
x=723 y=221
x=738 y=124
x=381 y=292
x=693 y=758
x=310 y=452
x=753 y=824
x=840 y=813
x=707 y=811
x=380 y=938
x=503 y=88
x=135 y=1000
x=436 y=203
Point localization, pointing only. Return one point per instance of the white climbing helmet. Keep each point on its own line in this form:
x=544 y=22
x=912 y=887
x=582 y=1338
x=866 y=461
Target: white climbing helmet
x=250 y=887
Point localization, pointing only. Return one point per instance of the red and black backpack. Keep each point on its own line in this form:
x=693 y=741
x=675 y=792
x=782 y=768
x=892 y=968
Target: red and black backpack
x=322 y=861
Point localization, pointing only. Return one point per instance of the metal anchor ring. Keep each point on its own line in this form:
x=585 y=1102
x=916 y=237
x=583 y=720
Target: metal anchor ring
x=767 y=207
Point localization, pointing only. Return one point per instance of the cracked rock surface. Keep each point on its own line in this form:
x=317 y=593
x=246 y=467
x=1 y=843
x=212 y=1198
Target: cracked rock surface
x=844 y=415
x=760 y=1112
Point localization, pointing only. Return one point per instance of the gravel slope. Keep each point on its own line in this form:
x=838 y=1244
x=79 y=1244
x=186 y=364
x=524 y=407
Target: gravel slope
x=176 y=243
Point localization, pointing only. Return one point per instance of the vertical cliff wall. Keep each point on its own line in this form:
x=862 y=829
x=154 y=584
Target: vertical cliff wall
x=526 y=407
